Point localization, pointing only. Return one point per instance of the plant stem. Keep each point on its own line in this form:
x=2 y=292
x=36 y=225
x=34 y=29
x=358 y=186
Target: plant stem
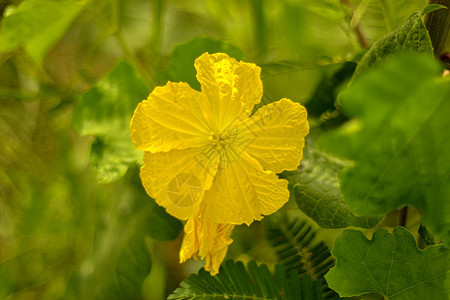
x=126 y=49
x=361 y=39
x=156 y=37
x=259 y=30
x=438 y=25
x=158 y=8
x=403 y=216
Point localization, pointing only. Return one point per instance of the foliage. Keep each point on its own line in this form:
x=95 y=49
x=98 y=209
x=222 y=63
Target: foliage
x=315 y=188
x=327 y=89
x=389 y=264
x=105 y=111
x=257 y=282
x=397 y=163
x=412 y=36
x=294 y=242
x=75 y=222
x=30 y=26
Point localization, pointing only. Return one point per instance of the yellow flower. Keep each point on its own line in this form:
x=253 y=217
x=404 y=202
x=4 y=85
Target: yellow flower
x=208 y=161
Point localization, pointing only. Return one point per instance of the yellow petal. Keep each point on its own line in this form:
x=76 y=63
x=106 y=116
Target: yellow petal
x=214 y=260
x=171 y=118
x=177 y=179
x=206 y=239
x=277 y=135
x=231 y=88
x=243 y=192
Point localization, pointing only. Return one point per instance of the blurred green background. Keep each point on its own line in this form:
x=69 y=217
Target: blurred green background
x=75 y=222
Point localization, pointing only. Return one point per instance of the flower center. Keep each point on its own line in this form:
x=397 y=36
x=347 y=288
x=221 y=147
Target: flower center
x=225 y=144
x=220 y=141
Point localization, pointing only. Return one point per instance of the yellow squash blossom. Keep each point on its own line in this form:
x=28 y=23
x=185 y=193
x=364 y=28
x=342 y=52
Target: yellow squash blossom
x=208 y=161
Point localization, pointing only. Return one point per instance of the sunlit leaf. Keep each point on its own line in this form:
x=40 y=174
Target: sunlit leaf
x=38 y=25
x=379 y=18
x=389 y=264
x=432 y=7
x=105 y=112
x=398 y=140
x=411 y=36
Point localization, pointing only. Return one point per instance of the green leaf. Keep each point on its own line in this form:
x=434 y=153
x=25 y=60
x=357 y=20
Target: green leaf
x=181 y=66
x=432 y=7
x=398 y=141
x=315 y=187
x=133 y=265
x=161 y=225
x=390 y=264
x=257 y=282
x=105 y=112
x=38 y=25
x=411 y=36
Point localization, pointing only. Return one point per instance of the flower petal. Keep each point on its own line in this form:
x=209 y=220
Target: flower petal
x=177 y=179
x=232 y=88
x=243 y=192
x=171 y=118
x=208 y=240
x=277 y=135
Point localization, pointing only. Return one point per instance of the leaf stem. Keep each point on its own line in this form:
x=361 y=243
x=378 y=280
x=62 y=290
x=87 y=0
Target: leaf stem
x=130 y=55
x=361 y=38
x=156 y=37
x=126 y=49
x=259 y=29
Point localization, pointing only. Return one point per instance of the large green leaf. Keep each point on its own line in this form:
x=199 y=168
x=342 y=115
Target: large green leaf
x=105 y=112
x=411 y=36
x=38 y=25
x=181 y=66
x=398 y=141
x=390 y=264
x=315 y=187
